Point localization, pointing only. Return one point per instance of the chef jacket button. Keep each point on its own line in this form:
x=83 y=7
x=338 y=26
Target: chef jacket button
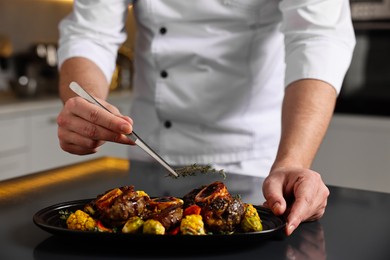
x=164 y=74
x=163 y=30
x=167 y=124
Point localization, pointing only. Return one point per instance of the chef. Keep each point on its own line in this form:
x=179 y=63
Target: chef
x=248 y=86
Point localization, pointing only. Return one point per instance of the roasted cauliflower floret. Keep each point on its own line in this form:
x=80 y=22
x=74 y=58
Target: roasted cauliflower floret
x=154 y=227
x=251 y=221
x=133 y=225
x=80 y=220
x=141 y=193
x=192 y=225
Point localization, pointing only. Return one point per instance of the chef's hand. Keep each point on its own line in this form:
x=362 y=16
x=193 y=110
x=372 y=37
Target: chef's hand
x=298 y=193
x=83 y=127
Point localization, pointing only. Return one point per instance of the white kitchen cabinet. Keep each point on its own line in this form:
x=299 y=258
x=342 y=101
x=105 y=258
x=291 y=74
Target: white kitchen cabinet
x=13 y=147
x=13 y=131
x=13 y=165
x=356 y=153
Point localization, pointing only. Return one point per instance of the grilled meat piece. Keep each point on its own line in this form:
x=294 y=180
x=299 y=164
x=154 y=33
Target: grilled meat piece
x=116 y=206
x=167 y=210
x=220 y=211
x=212 y=192
x=160 y=203
x=189 y=198
x=169 y=217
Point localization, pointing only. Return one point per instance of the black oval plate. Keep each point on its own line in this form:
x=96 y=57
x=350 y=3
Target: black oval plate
x=49 y=220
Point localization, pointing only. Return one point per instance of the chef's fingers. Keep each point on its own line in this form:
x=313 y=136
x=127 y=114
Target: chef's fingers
x=75 y=143
x=99 y=116
x=128 y=119
x=310 y=199
x=79 y=136
x=94 y=122
x=75 y=130
x=114 y=110
x=273 y=193
x=92 y=131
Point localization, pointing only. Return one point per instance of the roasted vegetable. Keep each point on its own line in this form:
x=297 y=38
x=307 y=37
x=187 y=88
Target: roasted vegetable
x=89 y=209
x=174 y=231
x=251 y=221
x=102 y=228
x=141 y=193
x=192 y=210
x=133 y=225
x=154 y=227
x=192 y=225
x=80 y=220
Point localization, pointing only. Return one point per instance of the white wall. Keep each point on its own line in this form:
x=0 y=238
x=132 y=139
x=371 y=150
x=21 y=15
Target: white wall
x=356 y=153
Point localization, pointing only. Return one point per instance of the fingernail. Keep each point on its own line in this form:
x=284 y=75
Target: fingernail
x=290 y=229
x=275 y=206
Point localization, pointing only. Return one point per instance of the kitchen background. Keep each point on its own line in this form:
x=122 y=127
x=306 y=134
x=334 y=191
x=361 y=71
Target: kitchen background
x=28 y=41
x=29 y=102
x=355 y=152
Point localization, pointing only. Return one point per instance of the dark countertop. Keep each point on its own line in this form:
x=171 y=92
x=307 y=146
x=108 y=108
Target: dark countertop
x=355 y=226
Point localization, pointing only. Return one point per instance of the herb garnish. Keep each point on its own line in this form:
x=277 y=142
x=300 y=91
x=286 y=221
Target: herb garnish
x=64 y=214
x=193 y=169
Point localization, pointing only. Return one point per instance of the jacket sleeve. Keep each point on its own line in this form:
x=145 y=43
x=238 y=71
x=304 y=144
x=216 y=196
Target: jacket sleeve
x=95 y=29
x=319 y=40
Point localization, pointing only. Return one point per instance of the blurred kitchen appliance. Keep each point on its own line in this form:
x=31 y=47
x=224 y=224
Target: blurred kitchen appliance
x=122 y=77
x=366 y=88
x=369 y=10
x=35 y=71
x=6 y=50
x=5 y=47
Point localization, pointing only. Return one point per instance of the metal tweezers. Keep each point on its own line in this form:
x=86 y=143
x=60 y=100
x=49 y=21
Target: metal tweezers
x=132 y=136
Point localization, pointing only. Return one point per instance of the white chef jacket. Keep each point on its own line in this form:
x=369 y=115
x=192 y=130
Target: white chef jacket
x=210 y=74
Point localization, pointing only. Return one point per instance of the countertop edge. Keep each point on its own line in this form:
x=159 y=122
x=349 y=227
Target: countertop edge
x=23 y=106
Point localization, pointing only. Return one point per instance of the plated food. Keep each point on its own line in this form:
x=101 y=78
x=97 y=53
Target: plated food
x=205 y=210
